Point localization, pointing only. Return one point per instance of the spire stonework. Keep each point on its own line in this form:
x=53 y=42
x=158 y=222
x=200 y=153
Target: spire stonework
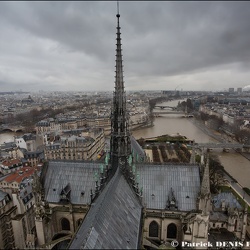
x=205 y=195
x=205 y=184
x=120 y=145
x=120 y=142
x=192 y=158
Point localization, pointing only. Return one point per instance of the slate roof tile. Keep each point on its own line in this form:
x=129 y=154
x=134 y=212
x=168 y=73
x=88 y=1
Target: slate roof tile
x=80 y=176
x=157 y=181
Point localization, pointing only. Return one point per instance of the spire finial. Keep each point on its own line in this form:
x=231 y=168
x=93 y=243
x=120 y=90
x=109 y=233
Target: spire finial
x=118 y=8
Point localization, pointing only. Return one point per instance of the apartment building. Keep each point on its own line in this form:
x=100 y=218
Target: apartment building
x=7 y=212
x=87 y=146
x=10 y=165
x=19 y=215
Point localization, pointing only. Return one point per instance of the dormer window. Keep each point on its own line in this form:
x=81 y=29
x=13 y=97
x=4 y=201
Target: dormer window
x=172 y=203
x=65 y=193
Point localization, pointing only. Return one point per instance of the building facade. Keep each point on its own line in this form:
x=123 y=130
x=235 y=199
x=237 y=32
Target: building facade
x=7 y=212
x=58 y=125
x=17 y=210
x=85 y=147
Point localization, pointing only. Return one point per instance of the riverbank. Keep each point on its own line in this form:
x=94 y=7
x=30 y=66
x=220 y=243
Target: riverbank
x=141 y=126
x=215 y=135
x=168 y=139
x=220 y=137
x=246 y=155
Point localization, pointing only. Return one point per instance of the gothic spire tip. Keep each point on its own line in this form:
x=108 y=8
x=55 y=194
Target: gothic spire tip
x=118 y=14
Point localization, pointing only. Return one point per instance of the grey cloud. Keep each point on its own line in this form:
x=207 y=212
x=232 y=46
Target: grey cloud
x=160 y=40
x=75 y=25
x=197 y=36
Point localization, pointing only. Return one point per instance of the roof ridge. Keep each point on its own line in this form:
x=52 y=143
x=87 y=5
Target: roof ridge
x=103 y=200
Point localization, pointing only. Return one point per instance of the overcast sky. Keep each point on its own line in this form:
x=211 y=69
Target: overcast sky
x=166 y=45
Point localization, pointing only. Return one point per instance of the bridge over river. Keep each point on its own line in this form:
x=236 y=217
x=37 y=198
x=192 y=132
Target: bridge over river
x=225 y=146
x=155 y=113
x=221 y=145
x=165 y=107
x=11 y=128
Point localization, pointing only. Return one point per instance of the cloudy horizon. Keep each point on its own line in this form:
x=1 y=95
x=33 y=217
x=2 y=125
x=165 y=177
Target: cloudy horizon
x=63 y=46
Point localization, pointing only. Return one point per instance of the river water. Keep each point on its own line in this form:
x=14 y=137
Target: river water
x=234 y=163
x=172 y=124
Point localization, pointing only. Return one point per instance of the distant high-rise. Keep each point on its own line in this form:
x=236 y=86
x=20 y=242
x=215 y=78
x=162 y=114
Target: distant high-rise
x=239 y=90
x=231 y=90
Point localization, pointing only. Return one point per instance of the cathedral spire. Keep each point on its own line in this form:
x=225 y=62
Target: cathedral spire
x=119 y=84
x=192 y=158
x=120 y=145
x=205 y=184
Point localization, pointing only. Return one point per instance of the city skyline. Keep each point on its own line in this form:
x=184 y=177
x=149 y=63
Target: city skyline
x=168 y=45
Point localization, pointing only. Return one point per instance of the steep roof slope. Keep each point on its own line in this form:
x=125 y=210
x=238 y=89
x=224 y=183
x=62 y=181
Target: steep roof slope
x=158 y=182
x=79 y=175
x=114 y=219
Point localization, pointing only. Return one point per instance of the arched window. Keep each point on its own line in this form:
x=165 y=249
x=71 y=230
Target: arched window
x=172 y=231
x=153 y=229
x=65 y=224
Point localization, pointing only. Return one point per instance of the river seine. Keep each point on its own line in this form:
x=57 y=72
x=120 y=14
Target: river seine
x=235 y=164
